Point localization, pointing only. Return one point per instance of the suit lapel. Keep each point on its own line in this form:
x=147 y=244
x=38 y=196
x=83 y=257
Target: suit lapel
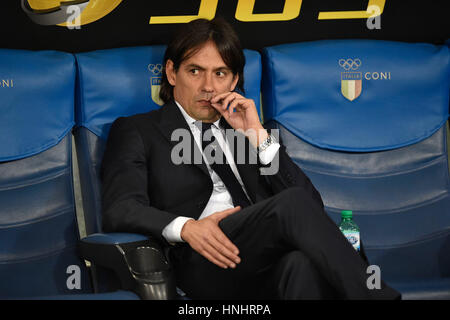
x=171 y=120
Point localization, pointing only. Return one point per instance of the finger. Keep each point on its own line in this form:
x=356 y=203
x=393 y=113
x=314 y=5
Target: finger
x=217 y=256
x=220 y=96
x=218 y=107
x=227 y=255
x=221 y=237
x=225 y=213
x=229 y=248
x=223 y=244
x=226 y=101
x=213 y=260
x=234 y=105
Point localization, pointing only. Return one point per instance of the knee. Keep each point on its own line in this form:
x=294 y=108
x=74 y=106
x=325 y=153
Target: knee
x=294 y=199
x=291 y=200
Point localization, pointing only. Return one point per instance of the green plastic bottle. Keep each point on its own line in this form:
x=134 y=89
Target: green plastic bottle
x=350 y=229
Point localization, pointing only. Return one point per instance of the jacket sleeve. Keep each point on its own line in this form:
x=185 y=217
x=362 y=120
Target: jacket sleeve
x=125 y=202
x=287 y=174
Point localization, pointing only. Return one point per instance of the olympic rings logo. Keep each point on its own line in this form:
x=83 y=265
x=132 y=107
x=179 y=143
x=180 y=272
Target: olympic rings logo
x=156 y=69
x=350 y=64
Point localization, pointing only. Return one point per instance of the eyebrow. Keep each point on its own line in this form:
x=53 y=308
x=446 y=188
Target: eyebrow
x=196 y=66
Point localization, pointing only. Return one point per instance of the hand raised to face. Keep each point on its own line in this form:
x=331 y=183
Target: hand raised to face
x=241 y=114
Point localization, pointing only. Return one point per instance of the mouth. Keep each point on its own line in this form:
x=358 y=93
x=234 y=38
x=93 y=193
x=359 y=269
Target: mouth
x=205 y=98
x=205 y=103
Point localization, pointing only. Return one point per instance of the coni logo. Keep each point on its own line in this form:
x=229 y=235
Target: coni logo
x=67 y=13
x=6 y=83
x=352 y=77
x=351 y=81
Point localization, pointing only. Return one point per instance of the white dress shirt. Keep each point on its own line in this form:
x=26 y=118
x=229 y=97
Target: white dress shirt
x=220 y=198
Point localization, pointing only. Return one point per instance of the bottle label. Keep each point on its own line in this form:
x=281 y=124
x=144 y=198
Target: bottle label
x=353 y=238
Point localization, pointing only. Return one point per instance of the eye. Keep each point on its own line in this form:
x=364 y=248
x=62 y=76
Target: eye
x=220 y=74
x=194 y=71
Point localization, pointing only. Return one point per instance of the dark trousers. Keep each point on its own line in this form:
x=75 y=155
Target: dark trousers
x=289 y=249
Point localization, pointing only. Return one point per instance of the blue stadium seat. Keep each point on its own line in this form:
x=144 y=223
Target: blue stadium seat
x=366 y=121
x=38 y=224
x=122 y=82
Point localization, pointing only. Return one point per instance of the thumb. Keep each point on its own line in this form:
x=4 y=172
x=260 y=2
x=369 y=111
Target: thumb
x=220 y=109
x=225 y=213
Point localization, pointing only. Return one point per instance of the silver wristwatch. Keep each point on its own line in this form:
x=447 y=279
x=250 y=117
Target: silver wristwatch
x=266 y=143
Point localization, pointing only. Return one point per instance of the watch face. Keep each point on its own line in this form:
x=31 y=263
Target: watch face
x=266 y=143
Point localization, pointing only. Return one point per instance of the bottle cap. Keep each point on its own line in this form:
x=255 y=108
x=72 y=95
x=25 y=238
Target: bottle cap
x=346 y=213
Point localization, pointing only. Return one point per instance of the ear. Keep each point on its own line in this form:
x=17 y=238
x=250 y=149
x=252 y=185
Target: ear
x=170 y=73
x=235 y=81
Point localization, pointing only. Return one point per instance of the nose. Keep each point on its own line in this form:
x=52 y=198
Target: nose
x=208 y=85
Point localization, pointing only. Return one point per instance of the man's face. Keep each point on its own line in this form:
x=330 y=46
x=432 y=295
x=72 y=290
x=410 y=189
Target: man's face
x=200 y=78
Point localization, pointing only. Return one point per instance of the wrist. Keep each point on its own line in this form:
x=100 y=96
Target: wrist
x=266 y=143
x=257 y=135
x=184 y=233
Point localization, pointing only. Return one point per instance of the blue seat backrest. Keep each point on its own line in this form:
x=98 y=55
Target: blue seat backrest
x=38 y=226
x=122 y=82
x=366 y=121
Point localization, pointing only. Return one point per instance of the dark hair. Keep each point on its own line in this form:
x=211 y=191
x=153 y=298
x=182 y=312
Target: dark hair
x=190 y=39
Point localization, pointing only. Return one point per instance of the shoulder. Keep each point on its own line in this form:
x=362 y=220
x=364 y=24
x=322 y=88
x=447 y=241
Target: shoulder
x=137 y=122
x=138 y=119
x=130 y=136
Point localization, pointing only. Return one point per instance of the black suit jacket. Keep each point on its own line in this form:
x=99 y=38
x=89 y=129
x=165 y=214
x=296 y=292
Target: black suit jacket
x=143 y=190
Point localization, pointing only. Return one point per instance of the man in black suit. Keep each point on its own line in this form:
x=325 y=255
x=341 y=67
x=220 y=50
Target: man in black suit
x=235 y=228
